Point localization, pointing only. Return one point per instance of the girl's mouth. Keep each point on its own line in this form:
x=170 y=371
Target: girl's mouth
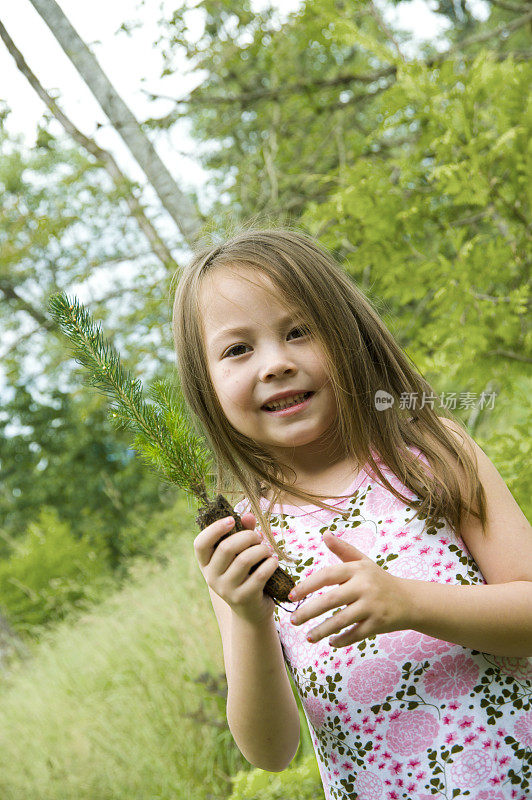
x=285 y=412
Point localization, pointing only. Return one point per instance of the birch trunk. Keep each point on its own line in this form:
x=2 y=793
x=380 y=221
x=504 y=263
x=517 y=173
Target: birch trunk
x=178 y=205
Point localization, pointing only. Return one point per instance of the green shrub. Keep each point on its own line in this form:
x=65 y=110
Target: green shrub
x=302 y=781
x=49 y=572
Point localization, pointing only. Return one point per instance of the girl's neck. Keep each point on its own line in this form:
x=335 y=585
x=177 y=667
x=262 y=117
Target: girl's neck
x=328 y=483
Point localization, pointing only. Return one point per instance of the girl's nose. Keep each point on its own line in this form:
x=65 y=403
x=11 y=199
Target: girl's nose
x=277 y=368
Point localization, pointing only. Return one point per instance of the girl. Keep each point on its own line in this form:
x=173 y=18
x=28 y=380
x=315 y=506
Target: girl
x=419 y=682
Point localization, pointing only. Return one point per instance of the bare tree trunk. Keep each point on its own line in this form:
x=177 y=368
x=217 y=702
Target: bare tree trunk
x=178 y=205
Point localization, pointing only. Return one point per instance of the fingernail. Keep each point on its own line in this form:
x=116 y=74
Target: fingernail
x=229 y=521
x=292 y=595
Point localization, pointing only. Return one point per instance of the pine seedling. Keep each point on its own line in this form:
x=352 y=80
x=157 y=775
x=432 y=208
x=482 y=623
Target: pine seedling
x=163 y=435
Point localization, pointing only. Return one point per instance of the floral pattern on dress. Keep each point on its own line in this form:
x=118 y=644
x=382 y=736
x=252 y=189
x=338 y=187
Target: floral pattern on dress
x=402 y=715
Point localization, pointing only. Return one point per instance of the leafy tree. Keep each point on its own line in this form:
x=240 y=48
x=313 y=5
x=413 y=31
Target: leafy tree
x=442 y=230
x=280 y=105
x=63 y=227
x=66 y=456
x=413 y=171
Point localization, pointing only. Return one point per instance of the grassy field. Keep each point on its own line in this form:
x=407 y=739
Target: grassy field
x=99 y=711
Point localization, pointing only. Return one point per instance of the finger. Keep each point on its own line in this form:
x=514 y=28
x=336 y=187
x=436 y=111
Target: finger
x=317 y=606
x=260 y=576
x=343 y=549
x=242 y=547
x=356 y=633
x=254 y=556
x=335 y=623
x=206 y=542
x=328 y=576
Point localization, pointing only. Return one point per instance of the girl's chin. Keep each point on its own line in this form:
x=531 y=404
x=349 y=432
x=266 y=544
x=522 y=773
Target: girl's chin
x=290 y=440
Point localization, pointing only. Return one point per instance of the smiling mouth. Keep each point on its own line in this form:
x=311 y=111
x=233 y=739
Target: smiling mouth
x=305 y=396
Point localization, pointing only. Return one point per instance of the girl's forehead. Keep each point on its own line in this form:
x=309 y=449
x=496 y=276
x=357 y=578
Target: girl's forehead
x=226 y=286
x=229 y=305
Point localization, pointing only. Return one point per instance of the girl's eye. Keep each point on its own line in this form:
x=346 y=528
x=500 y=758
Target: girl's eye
x=302 y=328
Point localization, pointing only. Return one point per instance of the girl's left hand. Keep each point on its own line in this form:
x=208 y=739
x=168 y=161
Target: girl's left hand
x=376 y=601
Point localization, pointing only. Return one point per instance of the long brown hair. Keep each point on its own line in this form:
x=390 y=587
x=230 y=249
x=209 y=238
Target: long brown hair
x=362 y=357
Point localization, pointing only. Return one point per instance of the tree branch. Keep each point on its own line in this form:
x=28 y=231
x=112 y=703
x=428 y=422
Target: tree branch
x=103 y=156
x=361 y=97
x=490 y=297
x=505 y=27
x=176 y=202
x=376 y=14
x=12 y=347
x=513 y=7
x=248 y=96
x=10 y=293
x=510 y=354
x=477 y=411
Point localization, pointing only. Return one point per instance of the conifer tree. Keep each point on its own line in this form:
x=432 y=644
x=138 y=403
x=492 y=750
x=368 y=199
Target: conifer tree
x=163 y=435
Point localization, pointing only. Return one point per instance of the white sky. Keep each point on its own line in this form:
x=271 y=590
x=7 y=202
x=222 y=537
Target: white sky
x=132 y=63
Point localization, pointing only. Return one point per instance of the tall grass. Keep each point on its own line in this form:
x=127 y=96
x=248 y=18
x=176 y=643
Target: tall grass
x=99 y=710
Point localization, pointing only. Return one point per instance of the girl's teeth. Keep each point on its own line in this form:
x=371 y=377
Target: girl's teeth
x=286 y=403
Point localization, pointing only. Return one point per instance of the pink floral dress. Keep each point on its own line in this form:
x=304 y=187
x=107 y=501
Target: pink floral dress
x=401 y=715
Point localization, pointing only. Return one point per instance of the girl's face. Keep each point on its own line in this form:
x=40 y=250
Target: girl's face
x=271 y=353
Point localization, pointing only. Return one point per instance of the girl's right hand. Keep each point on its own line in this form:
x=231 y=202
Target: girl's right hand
x=226 y=566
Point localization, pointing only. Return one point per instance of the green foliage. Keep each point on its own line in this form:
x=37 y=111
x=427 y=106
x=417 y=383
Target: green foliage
x=441 y=229
x=63 y=223
x=267 y=105
x=48 y=573
x=110 y=705
x=507 y=440
x=280 y=106
x=64 y=454
x=302 y=781
x=512 y=448
x=150 y=531
x=163 y=435
x=412 y=221
x=413 y=171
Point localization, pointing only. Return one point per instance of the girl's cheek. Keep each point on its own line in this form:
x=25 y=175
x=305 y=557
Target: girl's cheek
x=234 y=389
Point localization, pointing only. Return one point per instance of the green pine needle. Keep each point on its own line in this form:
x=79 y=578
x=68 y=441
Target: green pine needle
x=163 y=434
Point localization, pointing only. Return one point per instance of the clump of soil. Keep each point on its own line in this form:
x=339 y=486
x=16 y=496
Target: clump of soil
x=279 y=585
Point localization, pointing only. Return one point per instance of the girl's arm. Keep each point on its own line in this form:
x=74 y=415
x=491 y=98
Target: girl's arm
x=496 y=618
x=262 y=712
